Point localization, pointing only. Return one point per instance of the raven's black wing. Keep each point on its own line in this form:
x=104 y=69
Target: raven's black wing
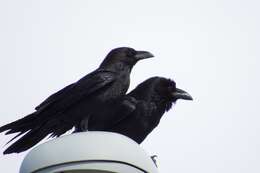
x=137 y=124
x=49 y=111
x=63 y=99
x=111 y=114
x=73 y=93
x=54 y=96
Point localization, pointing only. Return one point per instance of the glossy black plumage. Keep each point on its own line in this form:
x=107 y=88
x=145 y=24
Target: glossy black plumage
x=80 y=100
x=140 y=111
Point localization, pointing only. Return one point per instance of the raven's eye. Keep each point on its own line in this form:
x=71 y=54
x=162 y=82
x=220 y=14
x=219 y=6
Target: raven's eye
x=171 y=88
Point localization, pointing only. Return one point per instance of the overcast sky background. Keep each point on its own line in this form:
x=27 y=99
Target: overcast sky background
x=209 y=47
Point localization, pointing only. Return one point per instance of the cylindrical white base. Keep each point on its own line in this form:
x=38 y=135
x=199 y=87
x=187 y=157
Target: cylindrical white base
x=89 y=152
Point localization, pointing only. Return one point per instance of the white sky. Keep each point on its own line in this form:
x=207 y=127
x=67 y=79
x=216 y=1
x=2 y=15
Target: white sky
x=210 y=48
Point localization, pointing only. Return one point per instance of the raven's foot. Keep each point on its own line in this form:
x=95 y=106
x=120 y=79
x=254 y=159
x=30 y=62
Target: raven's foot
x=153 y=157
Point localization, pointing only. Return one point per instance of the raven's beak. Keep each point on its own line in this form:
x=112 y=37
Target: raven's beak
x=181 y=94
x=143 y=55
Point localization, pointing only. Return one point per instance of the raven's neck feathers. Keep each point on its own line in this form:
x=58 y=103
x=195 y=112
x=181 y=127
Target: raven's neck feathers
x=163 y=104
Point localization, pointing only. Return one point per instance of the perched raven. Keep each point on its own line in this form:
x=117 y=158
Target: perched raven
x=80 y=100
x=139 y=112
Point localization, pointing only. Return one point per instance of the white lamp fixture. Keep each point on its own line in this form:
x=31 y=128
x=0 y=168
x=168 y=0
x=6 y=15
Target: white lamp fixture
x=88 y=152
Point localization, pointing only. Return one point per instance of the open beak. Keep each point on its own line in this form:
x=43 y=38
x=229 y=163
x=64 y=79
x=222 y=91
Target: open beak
x=143 y=55
x=181 y=94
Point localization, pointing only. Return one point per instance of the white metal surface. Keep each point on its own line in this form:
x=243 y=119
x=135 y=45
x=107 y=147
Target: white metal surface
x=88 y=152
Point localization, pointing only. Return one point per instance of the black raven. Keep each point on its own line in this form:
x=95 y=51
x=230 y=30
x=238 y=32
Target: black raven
x=139 y=112
x=80 y=100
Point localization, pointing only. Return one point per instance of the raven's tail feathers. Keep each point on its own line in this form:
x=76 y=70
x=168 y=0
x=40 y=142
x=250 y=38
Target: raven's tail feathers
x=35 y=135
x=27 y=141
x=23 y=124
x=16 y=136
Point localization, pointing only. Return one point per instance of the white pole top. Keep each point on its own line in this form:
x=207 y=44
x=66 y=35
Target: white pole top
x=88 y=152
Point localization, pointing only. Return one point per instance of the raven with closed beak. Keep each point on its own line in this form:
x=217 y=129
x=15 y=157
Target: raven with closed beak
x=81 y=100
x=139 y=112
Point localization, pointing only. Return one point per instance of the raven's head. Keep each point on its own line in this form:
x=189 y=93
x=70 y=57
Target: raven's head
x=167 y=92
x=125 y=56
x=167 y=89
x=160 y=90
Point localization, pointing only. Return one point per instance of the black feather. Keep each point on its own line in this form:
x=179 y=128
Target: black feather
x=66 y=108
